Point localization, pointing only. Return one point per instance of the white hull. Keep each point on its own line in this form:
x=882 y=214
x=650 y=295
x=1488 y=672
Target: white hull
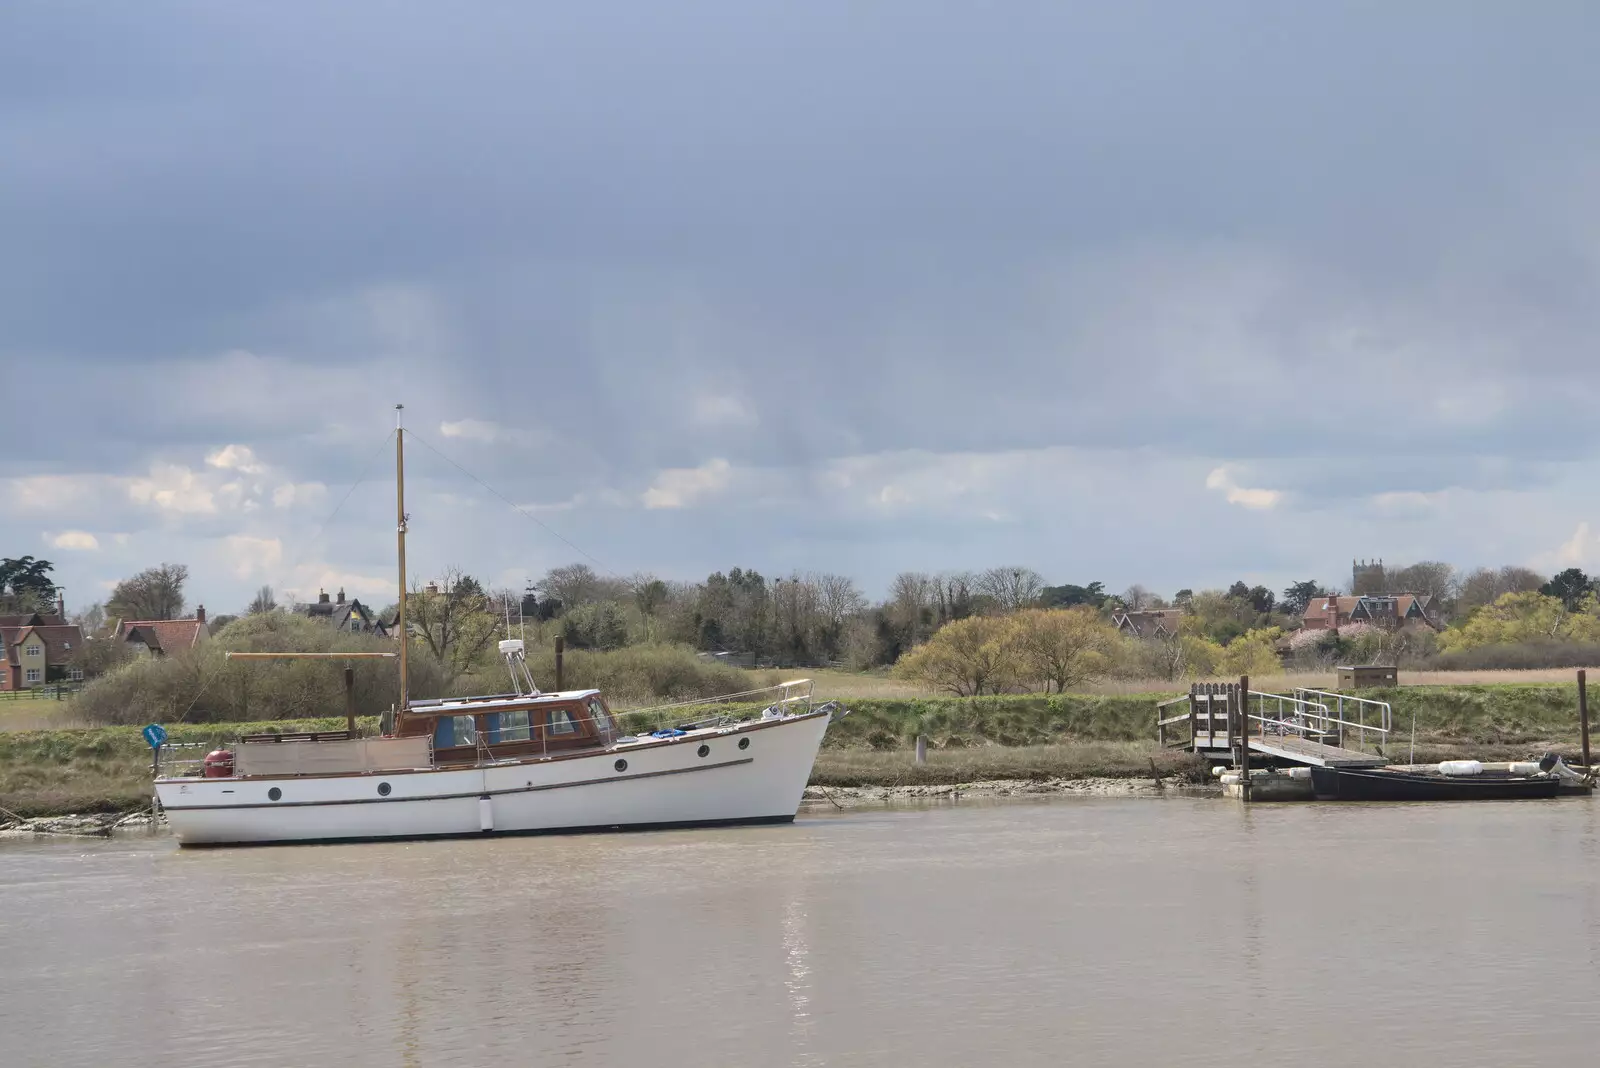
x=665 y=782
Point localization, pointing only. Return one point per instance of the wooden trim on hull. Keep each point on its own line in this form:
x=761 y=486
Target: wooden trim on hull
x=459 y=796
x=740 y=821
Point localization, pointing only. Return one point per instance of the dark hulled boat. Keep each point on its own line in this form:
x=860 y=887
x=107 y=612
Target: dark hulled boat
x=1381 y=784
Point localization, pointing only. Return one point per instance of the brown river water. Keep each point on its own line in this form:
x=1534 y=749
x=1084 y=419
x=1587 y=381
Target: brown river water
x=1186 y=931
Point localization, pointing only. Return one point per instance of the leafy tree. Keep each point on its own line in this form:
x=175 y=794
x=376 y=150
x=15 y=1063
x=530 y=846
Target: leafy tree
x=596 y=625
x=1260 y=599
x=1093 y=595
x=1298 y=597
x=965 y=658
x=1570 y=587
x=1526 y=617
x=1253 y=653
x=154 y=593
x=1239 y=592
x=26 y=586
x=1064 y=646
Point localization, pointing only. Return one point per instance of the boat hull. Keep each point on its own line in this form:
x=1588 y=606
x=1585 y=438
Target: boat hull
x=1361 y=784
x=749 y=773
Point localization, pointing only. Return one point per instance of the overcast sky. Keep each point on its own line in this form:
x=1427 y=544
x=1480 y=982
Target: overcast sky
x=1169 y=293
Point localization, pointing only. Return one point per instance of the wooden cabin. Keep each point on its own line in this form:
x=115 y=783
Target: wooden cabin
x=511 y=726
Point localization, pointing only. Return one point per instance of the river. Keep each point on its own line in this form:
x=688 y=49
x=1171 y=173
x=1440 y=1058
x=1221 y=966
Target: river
x=1187 y=931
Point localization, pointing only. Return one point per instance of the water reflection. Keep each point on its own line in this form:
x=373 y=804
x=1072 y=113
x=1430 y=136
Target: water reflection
x=1189 y=932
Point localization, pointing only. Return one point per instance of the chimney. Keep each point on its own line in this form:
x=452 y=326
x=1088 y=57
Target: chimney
x=199 y=613
x=322 y=596
x=61 y=605
x=341 y=595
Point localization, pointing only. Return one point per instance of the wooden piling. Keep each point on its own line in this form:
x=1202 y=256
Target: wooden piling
x=561 y=647
x=922 y=749
x=1244 y=737
x=350 y=700
x=1583 y=716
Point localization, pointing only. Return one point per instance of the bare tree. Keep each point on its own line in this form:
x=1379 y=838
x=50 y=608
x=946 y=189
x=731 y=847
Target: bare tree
x=454 y=617
x=264 y=602
x=577 y=584
x=1484 y=586
x=910 y=609
x=1137 y=598
x=1013 y=588
x=154 y=593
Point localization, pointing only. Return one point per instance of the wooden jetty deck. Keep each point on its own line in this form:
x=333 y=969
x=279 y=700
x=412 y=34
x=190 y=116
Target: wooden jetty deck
x=1216 y=721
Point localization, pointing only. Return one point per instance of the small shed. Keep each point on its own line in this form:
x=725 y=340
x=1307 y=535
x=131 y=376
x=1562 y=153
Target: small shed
x=1354 y=678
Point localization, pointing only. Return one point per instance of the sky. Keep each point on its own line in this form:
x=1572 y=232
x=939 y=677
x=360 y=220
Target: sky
x=1170 y=294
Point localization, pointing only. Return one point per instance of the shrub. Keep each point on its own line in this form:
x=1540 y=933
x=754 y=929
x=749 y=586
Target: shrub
x=636 y=675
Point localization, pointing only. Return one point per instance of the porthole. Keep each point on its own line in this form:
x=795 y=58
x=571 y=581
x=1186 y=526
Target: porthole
x=744 y=743
x=704 y=750
x=621 y=765
x=383 y=789
x=274 y=793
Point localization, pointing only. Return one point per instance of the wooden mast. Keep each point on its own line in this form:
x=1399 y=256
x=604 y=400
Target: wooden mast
x=400 y=516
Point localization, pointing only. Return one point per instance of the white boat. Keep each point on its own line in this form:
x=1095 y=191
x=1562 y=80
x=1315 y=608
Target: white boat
x=514 y=763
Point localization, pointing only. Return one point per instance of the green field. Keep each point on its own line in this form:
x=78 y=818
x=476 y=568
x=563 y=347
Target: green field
x=50 y=771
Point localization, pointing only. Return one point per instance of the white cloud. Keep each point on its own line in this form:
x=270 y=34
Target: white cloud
x=78 y=540
x=678 y=487
x=1576 y=551
x=1256 y=499
x=292 y=493
x=721 y=410
x=173 y=488
x=54 y=493
x=473 y=430
x=239 y=458
x=252 y=557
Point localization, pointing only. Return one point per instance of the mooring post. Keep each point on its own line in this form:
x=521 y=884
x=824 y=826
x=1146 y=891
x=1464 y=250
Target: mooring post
x=1244 y=737
x=350 y=700
x=1583 y=716
x=1194 y=739
x=561 y=646
x=922 y=749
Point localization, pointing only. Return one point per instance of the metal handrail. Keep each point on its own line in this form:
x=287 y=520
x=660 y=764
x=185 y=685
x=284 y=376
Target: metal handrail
x=1386 y=714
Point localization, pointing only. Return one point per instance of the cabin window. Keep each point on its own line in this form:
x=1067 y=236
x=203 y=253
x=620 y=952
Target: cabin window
x=465 y=731
x=561 y=722
x=597 y=712
x=514 y=727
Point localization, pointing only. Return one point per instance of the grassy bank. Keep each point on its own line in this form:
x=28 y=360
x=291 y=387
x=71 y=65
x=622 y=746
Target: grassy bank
x=1061 y=736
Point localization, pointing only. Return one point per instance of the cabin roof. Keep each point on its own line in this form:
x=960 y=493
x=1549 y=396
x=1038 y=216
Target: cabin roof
x=453 y=706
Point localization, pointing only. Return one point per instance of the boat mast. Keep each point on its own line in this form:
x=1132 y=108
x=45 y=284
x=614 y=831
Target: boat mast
x=400 y=517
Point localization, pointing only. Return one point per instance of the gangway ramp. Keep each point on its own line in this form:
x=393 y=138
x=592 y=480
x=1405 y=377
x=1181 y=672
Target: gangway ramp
x=1312 y=727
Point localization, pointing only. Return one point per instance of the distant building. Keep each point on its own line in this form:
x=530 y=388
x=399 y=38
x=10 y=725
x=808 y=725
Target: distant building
x=1149 y=622
x=38 y=649
x=1388 y=611
x=351 y=615
x=163 y=637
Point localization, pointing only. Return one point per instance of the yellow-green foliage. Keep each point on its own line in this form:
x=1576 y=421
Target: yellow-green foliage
x=1035 y=648
x=1525 y=617
x=1253 y=653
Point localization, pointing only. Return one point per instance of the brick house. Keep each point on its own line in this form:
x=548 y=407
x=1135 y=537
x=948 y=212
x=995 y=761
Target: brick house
x=163 y=637
x=1389 y=611
x=39 y=648
x=1149 y=622
x=349 y=615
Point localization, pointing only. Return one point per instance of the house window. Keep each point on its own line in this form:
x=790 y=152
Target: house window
x=32 y=675
x=75 y=674
x=66 y=646
x=561 y=722
x=32 y=650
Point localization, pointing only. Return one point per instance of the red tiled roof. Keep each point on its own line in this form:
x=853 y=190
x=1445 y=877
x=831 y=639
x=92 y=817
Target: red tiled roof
x=170 y=634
